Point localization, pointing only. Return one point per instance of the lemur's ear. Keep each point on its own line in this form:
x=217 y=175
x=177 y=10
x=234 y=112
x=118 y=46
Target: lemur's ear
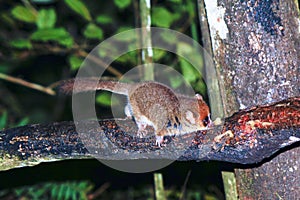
x=198 y=96
x=190 y=117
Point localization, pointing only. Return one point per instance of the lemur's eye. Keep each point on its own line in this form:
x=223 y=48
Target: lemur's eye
x=206 y=120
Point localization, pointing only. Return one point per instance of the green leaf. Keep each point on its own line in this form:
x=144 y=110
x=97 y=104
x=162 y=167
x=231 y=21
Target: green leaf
x=104 y=19
x=188 y=71
x=21 y=44
x=190 y=8
x=187 y=51
x=158 y=54
x=74 y=196
x=19 y=191
x=69 y=191
x=46 y=18
x=36 y=193
x=162 y=17
x=23 y=122
x=129 y=57
x=80 y=8
x=125 y=36
x=200 y=87
x=67 y=42
x=122 y=3
x=59 y=35
x=133 y=48
x=107 y=50
x=54 y=191
x=24 y=14
x=176 y=1
x=61 y=191
x=3 y=120
x=175 y=81
x=104 y=98
x=184 y=48
x=92 y=31
x=124 y=28
x=75 y=62
x=169 y=38
x=82 y=185
x=5 y=68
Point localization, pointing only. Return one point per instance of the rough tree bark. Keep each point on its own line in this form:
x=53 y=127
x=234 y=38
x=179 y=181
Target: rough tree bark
x=257 y=53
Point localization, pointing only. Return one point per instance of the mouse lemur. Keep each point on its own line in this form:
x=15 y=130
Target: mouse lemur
x=154 y=104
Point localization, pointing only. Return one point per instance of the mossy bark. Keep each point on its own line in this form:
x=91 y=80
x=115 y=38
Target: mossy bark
x=257 y=52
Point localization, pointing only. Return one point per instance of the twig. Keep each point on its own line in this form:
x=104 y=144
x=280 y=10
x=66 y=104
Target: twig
x=27 y=84
x=184 y=185
x=99 y=191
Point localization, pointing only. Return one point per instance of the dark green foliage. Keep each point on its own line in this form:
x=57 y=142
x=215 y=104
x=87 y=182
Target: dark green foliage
x=162 y=17
x=58 y=191
x=80 y=8
x=34 y=34
x=46 y=18
x=48 y=28
x=122 y=3
x=75 y=62
x=44 y=41
x=92 y=31
x=104 y=19
x=24 y=14
x=21 y=44
x=4 y=122
x=60 y=35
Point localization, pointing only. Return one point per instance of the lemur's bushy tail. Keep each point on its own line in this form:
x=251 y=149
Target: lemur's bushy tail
x=90 y=84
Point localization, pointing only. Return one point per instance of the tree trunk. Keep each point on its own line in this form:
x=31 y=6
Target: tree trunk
x=257 y=53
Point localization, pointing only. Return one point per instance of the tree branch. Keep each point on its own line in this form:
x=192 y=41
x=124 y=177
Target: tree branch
x=248 y=136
